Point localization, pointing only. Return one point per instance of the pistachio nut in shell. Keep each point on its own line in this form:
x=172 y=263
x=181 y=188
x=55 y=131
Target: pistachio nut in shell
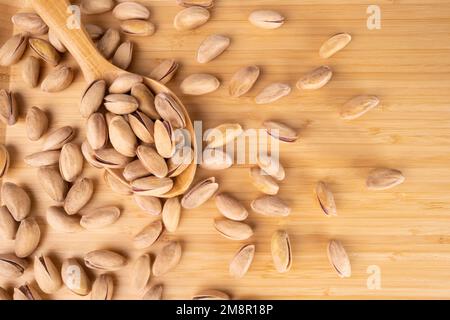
x=96 y=131
x=45 y=50
x=4 y=160
x=71 y=162
x=169 y=109
x=280 y=131
x=242 y=261
x=58 y=79
x=75 y=278
x=13 y=49
x=164 y=139
x=8 y=226
x=211 y=295
x=121 y=104
x=43 y=158
x=191 y=18
x=124 y=55
x=151 y=186
x=243 y=80
x=271 y=166
x=199 y=84
x=384 y=178
x=281 y=251
x=212 y=47
x=326 y=199
x=151 y=205
x=96 y=6
x=334 y=44
x=94 y=31
x=266 y=19
x=135 y=170
x=171 y=213
x=103 y=287
x=16 y=200
x=164 y=71
x=109 y=158
x=109 y=43
x=233 y=230
x=152 y=161
x=31 y=69
x=263 y=182
x=92 y=98
x=57 y=138
x=36 y=123
x=100 y=217
x=26 y=292
x=148 y=235
x=55 y=42
x=124 y=82
x=230 y=207
x=216 y=159
x=339 y=259
x=79 y=195
x=271 y=206
x=145 y=99
x=27 y=237
x=167 y=259
x=142 y=126
x=122 y=137
x=315 y=79
x=222 y=134
x=180 y=161
x=199 y=193
x=116 y=183
x=358 y=106
x=30 y=22
x=273 y=93
x=52 y=183
x=60 y=221
x=47 y=276
x=9 y=109
x=154 y=293
x=104 y=260
x=141 y=272
x=137 y=27
x=12 y=267
x=128 y=10
x=199 y=3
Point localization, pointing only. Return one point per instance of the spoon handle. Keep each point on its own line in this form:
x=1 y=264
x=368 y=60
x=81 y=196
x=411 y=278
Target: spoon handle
x=65 y=21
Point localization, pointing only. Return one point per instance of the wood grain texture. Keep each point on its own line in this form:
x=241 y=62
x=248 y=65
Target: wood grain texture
x=404 y=231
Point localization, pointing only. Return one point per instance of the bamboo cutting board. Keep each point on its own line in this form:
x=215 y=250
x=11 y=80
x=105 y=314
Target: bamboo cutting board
x=401 y=235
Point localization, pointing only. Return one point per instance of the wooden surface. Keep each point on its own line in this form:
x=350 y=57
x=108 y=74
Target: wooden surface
x=404 y=231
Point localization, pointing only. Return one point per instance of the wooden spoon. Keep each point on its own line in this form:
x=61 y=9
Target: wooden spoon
x=59 y=15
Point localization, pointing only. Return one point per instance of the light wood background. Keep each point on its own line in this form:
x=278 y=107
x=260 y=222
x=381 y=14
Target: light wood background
x=404 y=231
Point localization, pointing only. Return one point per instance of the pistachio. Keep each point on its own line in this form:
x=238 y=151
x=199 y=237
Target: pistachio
x=216 y=159
x=47 y=275
x=271 y=166
x=31 y=69
x=148 y=236
x=79 y=195
x=36 y=123
x=200 y=3
x=151 y=205
x=315 y=79
x=212 y=47
x=138 y=27
x=339 y=259
x=4 y=295
x=233 y=230
x=335 y=44
x=16 y=200
x=110 y=158
x=43 y=158
x=170 y=110
x=30 y=22
x=121 y=103
x=272 y=93
x=266 y=19
x=109 y=43
x=90 y=156
x=52 y=183
x=103 y=288
x=96 y=6
x=123 y=83
x=59 y=220
x=141 y=272
x=223 y=134
x=55 y=42
x=171 y=214
x=4 y=160
x=71 y=162
x=104 y=260
x=58 y=79
x=180 y=161
x=152 y=161
x=131 y=10
x=135 y=170
x=167 y=259
x=75 y=278
x=123 y=56
x=146 y=100
x=94 y=31
x=164 y=71
x=12 y=51
x=154 y=293
x=8 y=226
x=9 y=109
x=100 y=217
x=27 y=237
x=96 y=131
x=271 y=206
x=326 y=199
x=263 y=182
x=191 y=18
x=92 y=98
x=164 y=139
x=151 y=186
x=358 y=106
x=45 y=50
x=116 y=182
x=241 y=262
x=280 y=131
x=122 y=137
x=281 y=251
x=200 y=193
x=243 y=80
x=58 y=138
x=384 y=178
x=26 y=292
x=230 y=207
x=211 y=295
x=12 y=266
x=142 y=126
x=199 y=84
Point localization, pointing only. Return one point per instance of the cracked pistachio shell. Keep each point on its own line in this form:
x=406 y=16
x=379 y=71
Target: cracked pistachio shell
x=12 y=267
x=122 y=137
x=164 y=71
x=36 y=123
x=47 y=276
x=92 y=98
x=4 y=160
x=180 y=161
x=94 y=31
x=79 y=195
x=151 y=186
x=152 y=161
x=271 y=166
x=211 y=295
x=30 y=22
x=281 y=251
x=199 y=84
x=56 y=139
x=4 y=295
x=8 y=226
x=45 y=50
x=223 y=134
x=164 y=139
x=59 y=220
x=71 y=162
x=96 y=6
x=146 y=100
x=199 y=3
x=104 y=260
x=13 y=49
x=339 y=259
x=124 y=55
x=52 y=183
x=263 y=182
x=271 y=206
x=242 y=260
x=31 y=69
x=26 y=292
x=103 y=288
x=142 y=126
x=216 y=159
x=154 y=293
x=151 y=205
x=171 y=213
x=230 y=207
x=27 y=237
x=9 y=110
x=43 y=158
x=16 y=200
x=384 y=178
x=334 y=44
x=96 y=131
x=358 y=106
x=110 y=158
x=109 y=43
x=116 y=182
x=54 y=40
x=280 y=131
x=200 y=193
x=129 y=10
x=191 y=18
x=273 y=93
x=58 y=79
x=169 y=110
x=233 y=230
x=135 y=170
x=75 y=278
x=315 y=79
x=167 y=259
x=243 y=80
x=121 y=103
x=124 y=82
x=326 y=199
x=148 y=235
x=142 y=271
x=138 y=27
x=100 y=217
x=212 y=47
x=266 y=19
